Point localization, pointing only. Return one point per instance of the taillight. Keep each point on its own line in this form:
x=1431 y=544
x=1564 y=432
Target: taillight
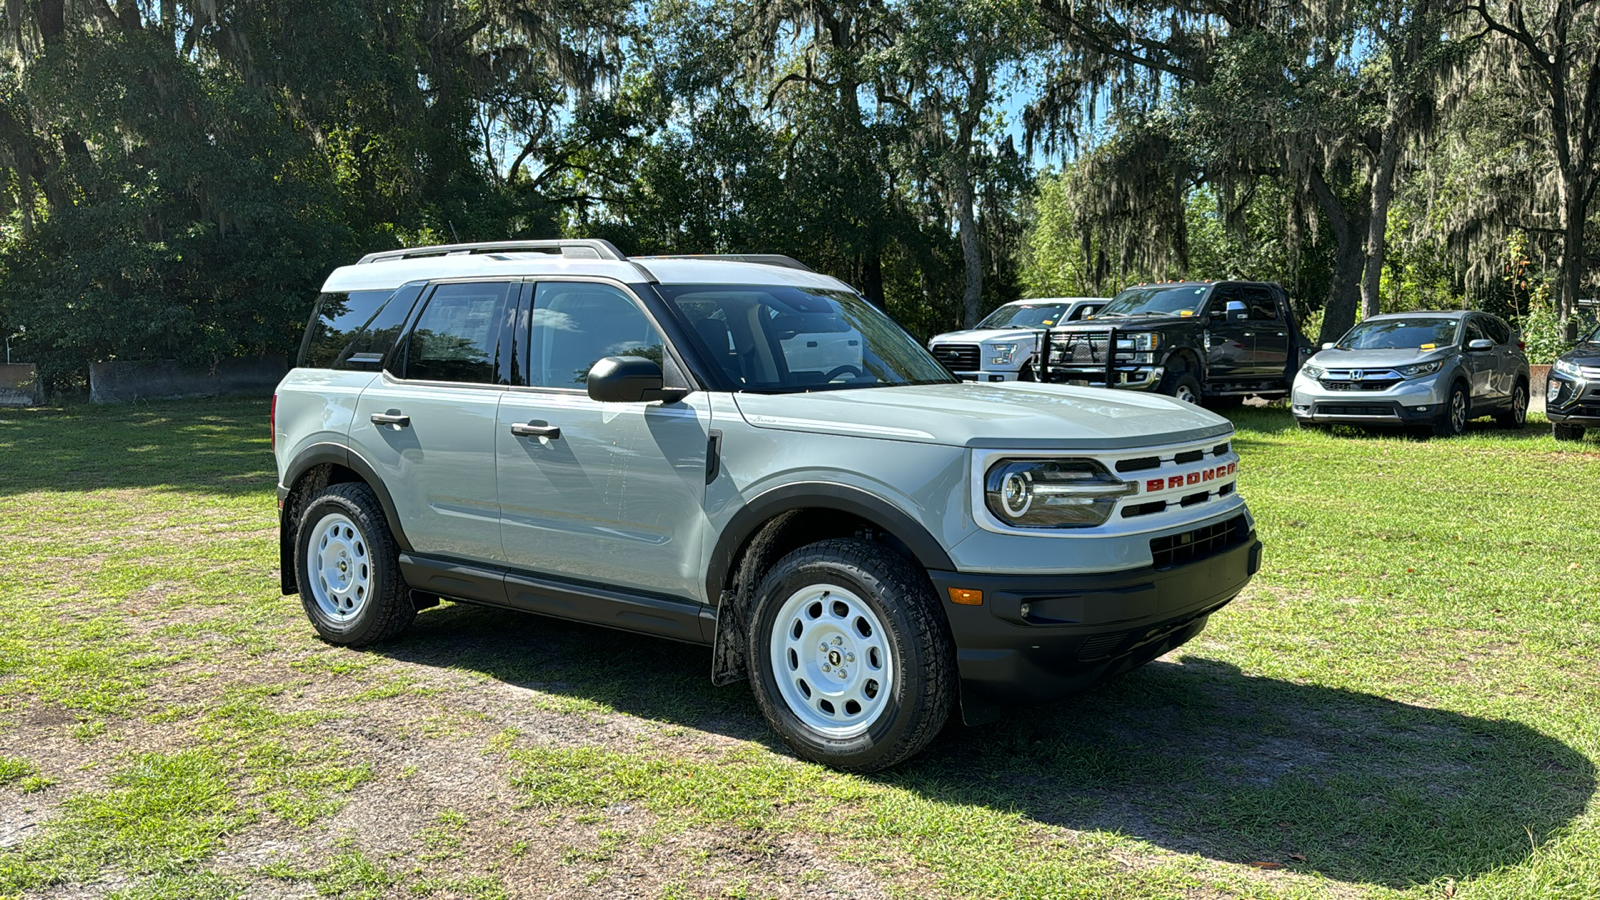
x=1522 y=345
x=272 y=422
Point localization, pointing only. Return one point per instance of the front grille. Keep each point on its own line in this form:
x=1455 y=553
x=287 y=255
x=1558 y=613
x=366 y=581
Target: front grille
x=1345 y=409
x=1359 y=385
x=1145 y=462
x=1080 y=348
x=957 y=357
x=1201 y=543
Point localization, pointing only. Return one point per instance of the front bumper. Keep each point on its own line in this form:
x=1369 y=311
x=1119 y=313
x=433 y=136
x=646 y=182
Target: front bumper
x=988 y=376
x=1572 y=401
x=1134 y=378
x=1411 y=402
x=1080 y=630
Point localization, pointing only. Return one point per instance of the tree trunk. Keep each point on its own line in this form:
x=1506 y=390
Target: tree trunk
x=1339 y=313
x=872 y=277
x=1382 y=194
x=971 y=254
x=1570 y=285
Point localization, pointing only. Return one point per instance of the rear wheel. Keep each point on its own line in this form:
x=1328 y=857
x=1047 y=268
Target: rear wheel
x=1567 y=432
x=1517 y=415
x=851 y=659
x=348 y=568
x=1453 y=417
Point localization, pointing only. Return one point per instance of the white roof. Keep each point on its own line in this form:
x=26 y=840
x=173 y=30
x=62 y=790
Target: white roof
x=1057 y=300
x=390 y=274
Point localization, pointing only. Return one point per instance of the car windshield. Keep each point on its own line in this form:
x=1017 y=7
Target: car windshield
x=1155 y=301
x=1024 y=315
x=1399 y=334
x=779 y=339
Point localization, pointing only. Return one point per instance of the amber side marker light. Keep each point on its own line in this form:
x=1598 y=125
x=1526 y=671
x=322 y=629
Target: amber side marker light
x=966 y=596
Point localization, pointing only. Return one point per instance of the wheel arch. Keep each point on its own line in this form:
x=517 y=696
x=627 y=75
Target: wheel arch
x=313 y=468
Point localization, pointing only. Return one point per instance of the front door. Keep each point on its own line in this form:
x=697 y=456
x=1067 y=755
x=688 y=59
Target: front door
x=1229 y=342
x=603 y=492
x=428 y=424
x=1480 y=364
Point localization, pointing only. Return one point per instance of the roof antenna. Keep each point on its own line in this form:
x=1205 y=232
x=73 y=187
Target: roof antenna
x=453 y=234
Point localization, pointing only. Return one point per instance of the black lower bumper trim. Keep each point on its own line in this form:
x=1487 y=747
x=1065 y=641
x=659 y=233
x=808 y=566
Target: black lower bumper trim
x=1080 y=630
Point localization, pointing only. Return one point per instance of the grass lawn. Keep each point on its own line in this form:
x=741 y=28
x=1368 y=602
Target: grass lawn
x=1404 y=703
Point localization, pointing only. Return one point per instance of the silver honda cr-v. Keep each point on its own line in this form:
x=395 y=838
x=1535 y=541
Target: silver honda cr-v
x=1436 y=369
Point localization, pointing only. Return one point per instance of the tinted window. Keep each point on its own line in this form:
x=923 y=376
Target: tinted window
x=457 y=335
x=337 y=320
x=575 y=325
x=1496 y=330
x=1155 y=301
x=1261 y=304
x=1085 y=311
x=1024 y=315
x=784 y=339
x=1475 y=329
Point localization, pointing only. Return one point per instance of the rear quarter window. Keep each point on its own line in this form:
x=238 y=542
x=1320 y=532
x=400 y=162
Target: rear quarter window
x=358 y=322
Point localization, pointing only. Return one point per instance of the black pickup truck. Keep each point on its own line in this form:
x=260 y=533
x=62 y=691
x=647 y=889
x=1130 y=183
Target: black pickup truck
x=1201 y=341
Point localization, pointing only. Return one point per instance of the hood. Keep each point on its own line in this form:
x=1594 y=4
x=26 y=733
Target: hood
x=1585 y=354
x=1377 y=359
x=1010 y=415
x=986 y=335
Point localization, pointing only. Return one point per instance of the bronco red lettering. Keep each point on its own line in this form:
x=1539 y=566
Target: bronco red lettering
x=1153 y=484
x=1176 y=481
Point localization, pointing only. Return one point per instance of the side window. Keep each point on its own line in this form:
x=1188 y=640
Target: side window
x=338 y=320
x=457 y=336
x=1084 y=311
x=1474 y=330
x=575 y=324
x=1217 y=306
x=1496 y=330
x=1262 y=305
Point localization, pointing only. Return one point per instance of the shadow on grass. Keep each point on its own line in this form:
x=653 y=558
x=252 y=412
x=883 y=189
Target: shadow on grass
x=1254 y=424
x=210 y=446
x=1195 y=756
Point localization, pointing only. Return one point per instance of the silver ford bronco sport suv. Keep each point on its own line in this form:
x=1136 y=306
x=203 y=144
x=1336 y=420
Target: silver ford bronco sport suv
x=741 y=453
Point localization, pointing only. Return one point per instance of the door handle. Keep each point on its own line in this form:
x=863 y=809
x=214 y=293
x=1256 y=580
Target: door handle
x=553 y=432
x=1249 y=334
x=1283 y=334
x=395 y=419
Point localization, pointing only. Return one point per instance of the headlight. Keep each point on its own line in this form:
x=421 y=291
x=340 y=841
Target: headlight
x=1417 y=369
x=1052 y=493
x=1002 y=353
x=1567 y=367
x=1144 y=340
x=1311 y=371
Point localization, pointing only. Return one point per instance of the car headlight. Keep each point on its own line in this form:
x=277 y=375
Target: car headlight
x=1002 y=353
x=1311 y=371
x=1144 y=340
x=1423 y=368
x=1052 y=493
x=1567 y=367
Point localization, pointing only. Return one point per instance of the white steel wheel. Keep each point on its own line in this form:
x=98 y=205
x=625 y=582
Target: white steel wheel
x=340 y=567
x=833 y=660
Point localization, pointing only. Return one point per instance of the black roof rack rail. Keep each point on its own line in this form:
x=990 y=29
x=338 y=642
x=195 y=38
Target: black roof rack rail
x=578 y=248
x=763 y=259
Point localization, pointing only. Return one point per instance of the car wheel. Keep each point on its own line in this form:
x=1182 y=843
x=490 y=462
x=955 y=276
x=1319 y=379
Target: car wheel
x=1517 y=415
x=1230 y=401
x=1567 y=432
x=851 y=658
x=1453 y=417
x=1026 y=374
x=348 y=568
x=1181 y=385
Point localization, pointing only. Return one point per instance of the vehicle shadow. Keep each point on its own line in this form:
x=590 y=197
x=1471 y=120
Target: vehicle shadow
x=1258 y=423
x=1193 y=756
x=213 y=446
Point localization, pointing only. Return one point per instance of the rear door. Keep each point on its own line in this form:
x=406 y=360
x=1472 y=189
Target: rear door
x=428 y=423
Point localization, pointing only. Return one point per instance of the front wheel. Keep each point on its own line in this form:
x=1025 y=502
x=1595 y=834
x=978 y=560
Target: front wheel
x=348 y=568
x=1453 y=418
x=852 y=661
x=1517 y=415
x=1181 y=385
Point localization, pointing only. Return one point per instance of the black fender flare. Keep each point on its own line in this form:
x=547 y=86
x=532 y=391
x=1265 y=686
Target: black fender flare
x=319 y=454
x=929 y=553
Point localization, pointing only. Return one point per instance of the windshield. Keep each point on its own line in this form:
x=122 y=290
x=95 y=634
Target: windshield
x=1024 y=315
x=1398 y=334
x=778 y=339
x=1155 y=301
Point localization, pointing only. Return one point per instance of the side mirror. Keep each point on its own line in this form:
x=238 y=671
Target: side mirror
x=1328 y=345
x=628 y=379
x=1236 y=311
x=1479 y=345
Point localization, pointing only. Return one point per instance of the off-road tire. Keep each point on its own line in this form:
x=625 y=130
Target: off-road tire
x=1182 y=385
x=1226 y=401
x=1567 y=432
x=1455 y=413
x=385 y=610
x=915 y=708
x=1517 y=415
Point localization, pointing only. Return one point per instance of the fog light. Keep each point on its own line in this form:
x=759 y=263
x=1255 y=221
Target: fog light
x=1025 y=609
x=1422 y=409
x=1552 y=391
